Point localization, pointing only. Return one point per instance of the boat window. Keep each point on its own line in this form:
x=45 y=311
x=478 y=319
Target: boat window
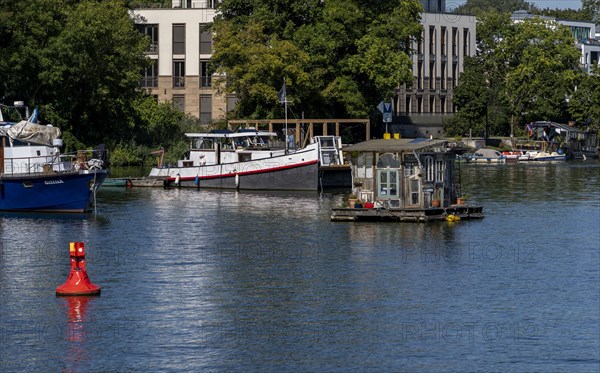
x=326 y=142
x=388 y=161
x=429 y=170
x=439 y=171
x=203 y=143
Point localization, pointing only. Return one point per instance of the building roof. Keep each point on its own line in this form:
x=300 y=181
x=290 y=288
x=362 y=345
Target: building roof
x=394 y=145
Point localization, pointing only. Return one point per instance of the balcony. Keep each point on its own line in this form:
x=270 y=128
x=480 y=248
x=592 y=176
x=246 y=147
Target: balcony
x=152 y=49
x=149 y=82
x=179 y=82
x=205 y=81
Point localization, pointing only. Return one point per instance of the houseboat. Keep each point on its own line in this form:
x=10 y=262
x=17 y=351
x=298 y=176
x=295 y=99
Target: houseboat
x=404 y=180
x=250 y=159
x=551 y=141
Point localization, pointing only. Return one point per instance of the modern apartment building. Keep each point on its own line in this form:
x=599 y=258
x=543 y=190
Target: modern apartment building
x=181 y=49
x=438 y=61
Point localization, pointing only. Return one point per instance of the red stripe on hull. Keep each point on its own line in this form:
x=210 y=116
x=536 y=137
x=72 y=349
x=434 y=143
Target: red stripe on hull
x=242 y=173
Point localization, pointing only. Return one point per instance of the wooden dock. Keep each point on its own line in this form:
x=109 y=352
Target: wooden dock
x=464 y=212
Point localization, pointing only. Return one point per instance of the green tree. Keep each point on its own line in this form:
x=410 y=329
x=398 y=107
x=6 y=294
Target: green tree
x=529 y=69
x=471 y=98
x=26 y=31
x=91 y=69
x=339 y=57
x=79 y=61
x=591 y=8
x=584 y=105
x=541 y=61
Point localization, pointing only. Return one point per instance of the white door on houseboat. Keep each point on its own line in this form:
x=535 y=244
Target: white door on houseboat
x=388 y=183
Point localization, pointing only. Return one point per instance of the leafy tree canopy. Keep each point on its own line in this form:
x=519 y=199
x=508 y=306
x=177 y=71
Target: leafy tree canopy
x=528 y=70
x=339 y=57
x=584 y=105
x=478 y=7
x=79 y=61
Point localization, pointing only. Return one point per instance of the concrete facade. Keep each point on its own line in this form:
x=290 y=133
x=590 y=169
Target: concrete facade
x=438 y=61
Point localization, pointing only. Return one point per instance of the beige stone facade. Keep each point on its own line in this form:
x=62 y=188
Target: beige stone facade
x=179 y=52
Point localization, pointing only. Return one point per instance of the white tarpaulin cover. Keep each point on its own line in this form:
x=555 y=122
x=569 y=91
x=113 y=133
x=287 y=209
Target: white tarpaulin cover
x=25 y=131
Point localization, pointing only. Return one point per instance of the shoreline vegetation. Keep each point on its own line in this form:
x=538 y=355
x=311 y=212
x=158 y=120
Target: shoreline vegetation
x=80 y=63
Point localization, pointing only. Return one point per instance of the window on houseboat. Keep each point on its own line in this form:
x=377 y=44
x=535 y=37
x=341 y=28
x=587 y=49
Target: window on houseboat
x=414 y=192
x=388 y=183
x=439 y=171
x=429 y=170
x=409 y=169
x=388 y=161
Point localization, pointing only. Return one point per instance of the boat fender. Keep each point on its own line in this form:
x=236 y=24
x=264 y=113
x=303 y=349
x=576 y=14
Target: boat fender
x=237 y=180
x=177 y=179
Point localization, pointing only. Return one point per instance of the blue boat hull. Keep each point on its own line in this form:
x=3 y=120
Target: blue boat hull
x=64 y=192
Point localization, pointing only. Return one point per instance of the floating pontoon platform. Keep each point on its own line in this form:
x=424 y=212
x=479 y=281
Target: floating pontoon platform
x=464 y=212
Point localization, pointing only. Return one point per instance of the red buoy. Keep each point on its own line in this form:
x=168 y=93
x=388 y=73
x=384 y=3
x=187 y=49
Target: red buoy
x=78 y=282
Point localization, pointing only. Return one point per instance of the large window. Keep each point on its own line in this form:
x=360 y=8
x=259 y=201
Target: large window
x=179 y=102
x=205 y=41
x=151 y=31
x=432 y=40
x=205 y=109
x=432 y=75
x=444 y=40
x=454 y=41
x=178 y=39
x=466 y=42
x=178 y=74
x=150 y=78
x=205 y=74
x=231 y=102
x=444 y=75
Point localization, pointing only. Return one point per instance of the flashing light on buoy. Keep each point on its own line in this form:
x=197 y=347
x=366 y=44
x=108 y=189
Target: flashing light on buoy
x=78 y=282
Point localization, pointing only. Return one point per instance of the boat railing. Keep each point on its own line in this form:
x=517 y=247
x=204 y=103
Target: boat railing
x=46 y=164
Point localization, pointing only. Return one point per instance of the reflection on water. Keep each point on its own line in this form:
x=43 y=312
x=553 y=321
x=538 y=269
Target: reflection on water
x=264 y=281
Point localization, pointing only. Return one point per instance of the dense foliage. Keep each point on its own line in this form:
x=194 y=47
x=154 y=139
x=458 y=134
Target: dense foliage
x=527 y=71
x=339 y=57
x=79 y=62
x=478 y=7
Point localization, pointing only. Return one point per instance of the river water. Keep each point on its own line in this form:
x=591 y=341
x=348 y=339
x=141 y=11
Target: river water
x=222 y=281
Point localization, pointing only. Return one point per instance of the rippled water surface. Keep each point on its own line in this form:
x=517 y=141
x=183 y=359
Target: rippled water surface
x=221 y=281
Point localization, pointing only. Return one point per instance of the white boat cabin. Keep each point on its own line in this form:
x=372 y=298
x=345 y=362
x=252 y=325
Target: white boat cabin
x=229 y=147
x=250 y=145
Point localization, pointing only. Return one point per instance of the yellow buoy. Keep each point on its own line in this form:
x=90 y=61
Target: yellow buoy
x=452 y=218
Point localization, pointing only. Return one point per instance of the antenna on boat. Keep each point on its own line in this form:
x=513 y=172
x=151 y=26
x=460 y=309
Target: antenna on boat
x=283 y=99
